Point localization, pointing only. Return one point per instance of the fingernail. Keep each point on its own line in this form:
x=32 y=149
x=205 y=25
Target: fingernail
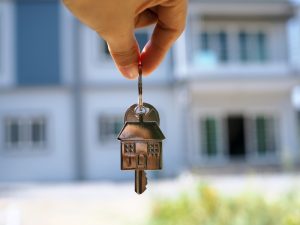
x=130 y=71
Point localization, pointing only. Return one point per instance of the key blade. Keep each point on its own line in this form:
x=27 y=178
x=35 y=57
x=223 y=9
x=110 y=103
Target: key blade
x=140 y=181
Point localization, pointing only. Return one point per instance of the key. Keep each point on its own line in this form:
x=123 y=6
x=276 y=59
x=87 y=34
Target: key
x=141 y=143
x=140 y=181
x=141 y=140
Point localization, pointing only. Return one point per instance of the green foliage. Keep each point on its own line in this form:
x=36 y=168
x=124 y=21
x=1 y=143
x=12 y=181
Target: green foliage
x=207 y=207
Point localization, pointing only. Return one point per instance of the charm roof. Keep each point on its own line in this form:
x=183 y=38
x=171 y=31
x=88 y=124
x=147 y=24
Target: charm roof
x=141 y=131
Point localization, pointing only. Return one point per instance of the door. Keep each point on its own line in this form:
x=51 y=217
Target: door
x=236 y=136
x=141 y=161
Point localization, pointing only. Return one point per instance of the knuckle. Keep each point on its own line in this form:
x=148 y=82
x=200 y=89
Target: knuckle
x=125 y=57
x=128 y=52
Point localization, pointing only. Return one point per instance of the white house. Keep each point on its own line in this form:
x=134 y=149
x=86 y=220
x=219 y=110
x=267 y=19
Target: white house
x=224 y=92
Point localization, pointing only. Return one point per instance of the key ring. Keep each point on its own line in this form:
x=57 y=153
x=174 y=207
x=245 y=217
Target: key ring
x=140 y=109
x=140 y=87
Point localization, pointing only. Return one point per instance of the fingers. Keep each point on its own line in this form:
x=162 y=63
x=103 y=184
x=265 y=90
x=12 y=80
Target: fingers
x=124 y=49
x=125 y=52
x=146 y=18
x=115 y=22
x=171 y=23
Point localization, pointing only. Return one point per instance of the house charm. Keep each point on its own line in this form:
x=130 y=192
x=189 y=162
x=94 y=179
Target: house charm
x=141 y=144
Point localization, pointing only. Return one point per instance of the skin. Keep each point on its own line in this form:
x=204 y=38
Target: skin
x=116 y=20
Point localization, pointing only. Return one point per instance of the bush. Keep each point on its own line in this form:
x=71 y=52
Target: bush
x=207 y=207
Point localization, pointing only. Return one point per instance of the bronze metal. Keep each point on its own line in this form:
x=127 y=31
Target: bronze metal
x=150 y=114
x=141 y=140
x=140 y=181
x=141 y=146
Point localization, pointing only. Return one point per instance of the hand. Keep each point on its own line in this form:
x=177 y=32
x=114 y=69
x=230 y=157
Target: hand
x=115 y=21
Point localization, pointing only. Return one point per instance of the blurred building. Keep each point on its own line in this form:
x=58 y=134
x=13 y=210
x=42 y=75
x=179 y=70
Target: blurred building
x=225 y=92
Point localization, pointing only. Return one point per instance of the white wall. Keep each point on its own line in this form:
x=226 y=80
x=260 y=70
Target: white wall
x=55 y=162
x=290 y=154
x=293 y=32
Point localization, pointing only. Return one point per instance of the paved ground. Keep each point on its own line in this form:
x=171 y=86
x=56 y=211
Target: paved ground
x=108 y=203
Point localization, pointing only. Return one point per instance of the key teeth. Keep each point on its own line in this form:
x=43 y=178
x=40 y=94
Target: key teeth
x=146 y=180
x=139 y=189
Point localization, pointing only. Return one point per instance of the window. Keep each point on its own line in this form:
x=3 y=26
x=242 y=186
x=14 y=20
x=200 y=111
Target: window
x=214 y=46
x=262 y=52
x=223 y=46
x=13 y=132
x=25 y=132
x=38 y=131
x=153 y=148
x=129 y=148
x=209 y=136
x=261 y=135
x=252 y=46
x=222 y=42
x=109 y=127
x=265 y=135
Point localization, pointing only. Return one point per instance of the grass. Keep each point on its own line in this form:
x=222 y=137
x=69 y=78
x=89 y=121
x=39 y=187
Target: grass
x=208 y=207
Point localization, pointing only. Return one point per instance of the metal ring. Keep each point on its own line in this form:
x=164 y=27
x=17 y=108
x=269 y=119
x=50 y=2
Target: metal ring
x=140 y=87
x=140 y=110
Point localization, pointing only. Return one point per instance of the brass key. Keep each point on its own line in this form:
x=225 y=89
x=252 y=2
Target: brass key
x=141 y=140
x=140 y=181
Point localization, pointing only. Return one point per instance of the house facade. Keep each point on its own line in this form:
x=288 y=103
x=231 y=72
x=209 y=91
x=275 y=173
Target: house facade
x=226 y=92
x=240 y=73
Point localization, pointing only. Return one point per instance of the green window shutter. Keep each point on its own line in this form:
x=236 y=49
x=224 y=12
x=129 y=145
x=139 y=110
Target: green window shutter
x=252 y=47
x=223 y=47
x=261 y=135
x=209 y=136
x=265 y=135
x=261 y=45
x=243 y=46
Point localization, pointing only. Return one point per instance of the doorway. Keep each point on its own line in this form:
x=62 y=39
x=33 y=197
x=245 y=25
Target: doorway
x=236 y=136
x=141 y=161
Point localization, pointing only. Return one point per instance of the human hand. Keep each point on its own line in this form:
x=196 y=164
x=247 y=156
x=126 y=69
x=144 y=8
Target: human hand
x=115 y=21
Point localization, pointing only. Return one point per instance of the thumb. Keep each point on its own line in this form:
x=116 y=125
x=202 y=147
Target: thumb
x=124 y=50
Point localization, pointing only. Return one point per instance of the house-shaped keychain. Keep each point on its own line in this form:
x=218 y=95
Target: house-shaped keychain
x=141 y=146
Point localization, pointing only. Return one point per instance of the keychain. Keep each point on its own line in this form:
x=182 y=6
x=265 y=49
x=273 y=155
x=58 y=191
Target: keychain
x=141 y=139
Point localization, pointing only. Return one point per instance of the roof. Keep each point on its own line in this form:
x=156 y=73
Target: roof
x=141 y=131
x=280 y=9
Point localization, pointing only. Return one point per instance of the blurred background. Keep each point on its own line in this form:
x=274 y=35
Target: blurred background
x=227 y=93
